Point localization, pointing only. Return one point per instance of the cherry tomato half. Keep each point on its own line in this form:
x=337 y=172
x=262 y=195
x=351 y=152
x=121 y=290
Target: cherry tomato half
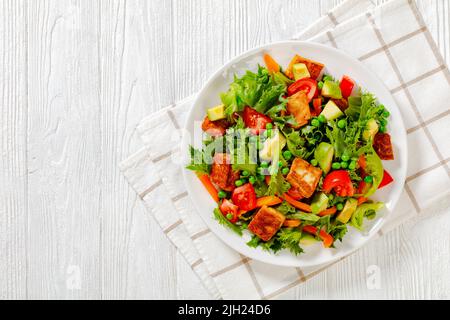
x=386 y=179
x=255 y=120
x=340 y=181
x=244 y=197
x=227 y=207
x=308 y=85
x=346 y=85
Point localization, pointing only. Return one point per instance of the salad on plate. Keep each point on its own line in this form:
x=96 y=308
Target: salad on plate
x=294 y=155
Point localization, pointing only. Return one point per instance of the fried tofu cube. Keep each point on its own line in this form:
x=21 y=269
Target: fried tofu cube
x=266 y=222
x=304 y=177
x=314 y=67
x=298 y=106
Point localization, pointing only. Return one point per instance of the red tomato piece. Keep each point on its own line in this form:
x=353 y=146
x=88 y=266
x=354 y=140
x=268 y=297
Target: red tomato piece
x=255 y=120
x=227 y=207
x=347 y=84
x=244 y=197
x=387 y=178
x=308 y=85
x=317 y=105
x=340 y=181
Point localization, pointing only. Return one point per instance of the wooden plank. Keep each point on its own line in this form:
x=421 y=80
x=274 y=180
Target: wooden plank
x=63 y=150
x=13 y=171
x=137 y=260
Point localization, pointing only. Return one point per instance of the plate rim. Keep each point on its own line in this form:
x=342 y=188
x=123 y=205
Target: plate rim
x=254 y=254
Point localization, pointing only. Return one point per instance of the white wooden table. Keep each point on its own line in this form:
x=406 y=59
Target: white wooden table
x=75 y=79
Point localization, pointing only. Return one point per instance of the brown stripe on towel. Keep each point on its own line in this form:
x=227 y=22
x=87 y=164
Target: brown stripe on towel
x=173 y=226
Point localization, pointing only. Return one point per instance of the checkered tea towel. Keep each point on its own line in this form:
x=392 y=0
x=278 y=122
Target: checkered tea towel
x=394 y=42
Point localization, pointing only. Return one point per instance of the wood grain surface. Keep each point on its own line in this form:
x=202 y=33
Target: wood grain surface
x=76 y=77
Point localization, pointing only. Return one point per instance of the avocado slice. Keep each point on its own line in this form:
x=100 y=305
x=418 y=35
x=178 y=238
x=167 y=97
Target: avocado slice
x=346 y=213
x=331 y=111
x=216 y=113
x=370 y=130
x=300 y=71
x=324 y=155
x=319 y=203
x=331 y=89
x=307 y=239
x=272 y=146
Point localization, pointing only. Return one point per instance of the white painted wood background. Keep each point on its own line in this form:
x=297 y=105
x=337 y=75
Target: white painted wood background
x=76 y=77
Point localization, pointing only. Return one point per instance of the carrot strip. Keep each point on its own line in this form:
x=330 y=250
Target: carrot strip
x=361 y=200
x=268 y=201
x=362 y=162
x=291 y=223
x=297 y=204
x=271 y=64
x=327 y=212
x=209 y=187
x=327 y=239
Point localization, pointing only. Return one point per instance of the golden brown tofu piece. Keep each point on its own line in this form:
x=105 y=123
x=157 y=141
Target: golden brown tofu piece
x=298 y=106
x=266 y=222
x=314 y=67
x=304 y=177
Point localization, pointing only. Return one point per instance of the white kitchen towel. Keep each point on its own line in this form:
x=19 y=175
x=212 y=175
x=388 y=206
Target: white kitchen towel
x=403 y=54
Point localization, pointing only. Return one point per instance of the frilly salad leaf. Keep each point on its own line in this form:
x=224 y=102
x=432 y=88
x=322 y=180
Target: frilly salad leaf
x=258 y=90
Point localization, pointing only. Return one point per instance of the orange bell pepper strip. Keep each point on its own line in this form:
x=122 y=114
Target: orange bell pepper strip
x=327 y=239
x=268 y=201
x=209 y=187
x=299 y=205
x=264 y=201
x=328 y=212
x=271 y=64
x=291 y=223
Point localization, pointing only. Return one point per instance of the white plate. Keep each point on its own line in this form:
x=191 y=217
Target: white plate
x=337 y=64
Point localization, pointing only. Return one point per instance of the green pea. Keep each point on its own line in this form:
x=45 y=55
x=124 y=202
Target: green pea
x=315 y=122
x=245 y=173
x=352 y=165
x=345 y=157
x=383 y=129
x=287 y=155
x=285 y=171
x=314 y=162
x=252 y=180
x=339 y=206
x=320 y=85
x=264 y=164
x=222 y=194
x=344 y=164
x=386 y=114
x=336 y=165
x=383 y=122
x=269 y=126
x=322 y=118
x=280 y=164
x=330 y=197
x=341 y=124
x=229 y=216
x=368 y=179
x=260 y=177
x=238 y=183
x=269 y=133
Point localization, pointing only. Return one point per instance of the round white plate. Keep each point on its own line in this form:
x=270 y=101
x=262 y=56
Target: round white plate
x=337 y=64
